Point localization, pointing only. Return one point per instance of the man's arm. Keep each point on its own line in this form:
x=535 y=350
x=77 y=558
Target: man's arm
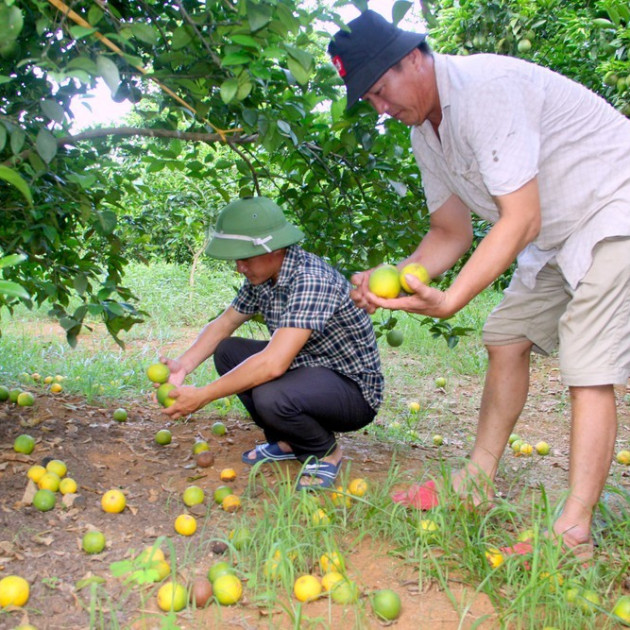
x=448 y=238
x=266 y=365
x=205 y=344
x=518 y=225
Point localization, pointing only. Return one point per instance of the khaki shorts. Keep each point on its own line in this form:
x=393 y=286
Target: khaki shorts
x=590 y=324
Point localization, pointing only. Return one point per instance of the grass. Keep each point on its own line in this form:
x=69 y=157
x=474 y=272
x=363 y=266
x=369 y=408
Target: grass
x=284 y=539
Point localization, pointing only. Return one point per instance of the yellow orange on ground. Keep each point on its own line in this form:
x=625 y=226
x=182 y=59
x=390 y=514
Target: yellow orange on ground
x=113 y=501
x=414 y=406
x=495 y=557
x=384 y=282
x=413 y=269
x=172 y=596
x=14 y=591
x=56 y=388
x=358 y=487
x=622 y=609
x=35 y=473
x=49 y=481
x=185 y=524
x=68 y=486
x=150 y=554
x=331 y=561
x=228 y=474
x=526 y=449
x=231 y=503
x=228 y=589
x=200 y=446
x=49 y=379
x=57 y=466
x=340 y=497
x=623 y=457
x=307 y=588
x=25 y=399
x=320 y=518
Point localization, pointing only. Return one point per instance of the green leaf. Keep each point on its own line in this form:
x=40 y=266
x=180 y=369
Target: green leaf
x=14 y=178
x=3 y=137
x=235 y=59
x=53 y=110
x=95 y=14
x=298 y=71
x=82 y=63
x=145 y=33
x=109 y=71
x=258 y=15
x=79 y=32
x=304 y=58
x=46 y=145
x=245 y=40
x=17 y=140
x=11 y=23
x=399 y=10
x=12 y=259
x=106 y=221
x=13 y=289
x=181 y=37
x=4 y=79
x=229 y=89
x=244 y=90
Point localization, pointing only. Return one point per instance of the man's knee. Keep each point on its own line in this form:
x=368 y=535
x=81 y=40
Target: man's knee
x=516 y=351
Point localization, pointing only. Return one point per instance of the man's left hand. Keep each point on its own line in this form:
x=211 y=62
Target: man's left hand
x=187 y=400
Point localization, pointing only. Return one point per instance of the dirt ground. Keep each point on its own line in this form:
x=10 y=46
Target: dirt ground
x=44 y=547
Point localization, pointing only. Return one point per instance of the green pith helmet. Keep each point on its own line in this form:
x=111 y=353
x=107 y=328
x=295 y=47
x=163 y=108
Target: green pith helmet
x=251 y=227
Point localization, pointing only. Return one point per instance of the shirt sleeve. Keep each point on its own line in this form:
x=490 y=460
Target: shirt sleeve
x=502 y=124
x=246 y=301
x=311 y=303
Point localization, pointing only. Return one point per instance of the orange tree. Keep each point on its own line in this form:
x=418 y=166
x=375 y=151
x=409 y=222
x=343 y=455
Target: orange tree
x=232 y=97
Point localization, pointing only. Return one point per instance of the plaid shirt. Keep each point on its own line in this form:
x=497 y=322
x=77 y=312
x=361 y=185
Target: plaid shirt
x=311 y=294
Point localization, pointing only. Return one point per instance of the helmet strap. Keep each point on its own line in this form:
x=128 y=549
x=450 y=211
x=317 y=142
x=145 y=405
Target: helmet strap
x=240 y=237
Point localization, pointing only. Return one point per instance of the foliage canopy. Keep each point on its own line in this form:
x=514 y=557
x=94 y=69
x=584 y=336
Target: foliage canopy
x=232 y=97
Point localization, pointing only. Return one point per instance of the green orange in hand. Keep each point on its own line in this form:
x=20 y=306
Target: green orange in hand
x=162 y=394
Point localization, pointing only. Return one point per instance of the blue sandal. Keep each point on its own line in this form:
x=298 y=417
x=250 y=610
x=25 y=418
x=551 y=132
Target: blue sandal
x=325 y=471
x=266 y=452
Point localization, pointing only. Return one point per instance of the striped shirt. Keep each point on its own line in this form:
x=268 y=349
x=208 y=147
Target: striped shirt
x=310 y=294
x=506 y=121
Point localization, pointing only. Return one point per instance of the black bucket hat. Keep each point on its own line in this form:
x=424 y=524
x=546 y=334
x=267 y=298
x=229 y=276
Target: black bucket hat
x=368 y=50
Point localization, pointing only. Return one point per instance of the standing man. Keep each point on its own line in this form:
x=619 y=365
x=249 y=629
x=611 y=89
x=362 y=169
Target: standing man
x=318 y=374
x=548 y=163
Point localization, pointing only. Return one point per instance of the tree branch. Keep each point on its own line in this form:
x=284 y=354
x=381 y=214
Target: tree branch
x=191 y=136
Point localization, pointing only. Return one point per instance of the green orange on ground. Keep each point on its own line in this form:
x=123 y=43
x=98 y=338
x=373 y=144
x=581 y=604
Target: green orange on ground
x=13 y=394
x=200 y=446
x=218 y=428
x=120 y=415
x=163 y=437
x=24 y=444
x=344 y=592
x=386 y=604
x=93 y=542
x=220 y=493
x=622 y=609
x=193 y=495
x=4 y=393
x=25 y=399
x=44 y=500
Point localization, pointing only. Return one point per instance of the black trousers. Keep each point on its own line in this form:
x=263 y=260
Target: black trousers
x=304 y=406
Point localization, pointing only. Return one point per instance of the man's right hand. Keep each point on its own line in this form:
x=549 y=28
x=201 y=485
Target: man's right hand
x=178 y=372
